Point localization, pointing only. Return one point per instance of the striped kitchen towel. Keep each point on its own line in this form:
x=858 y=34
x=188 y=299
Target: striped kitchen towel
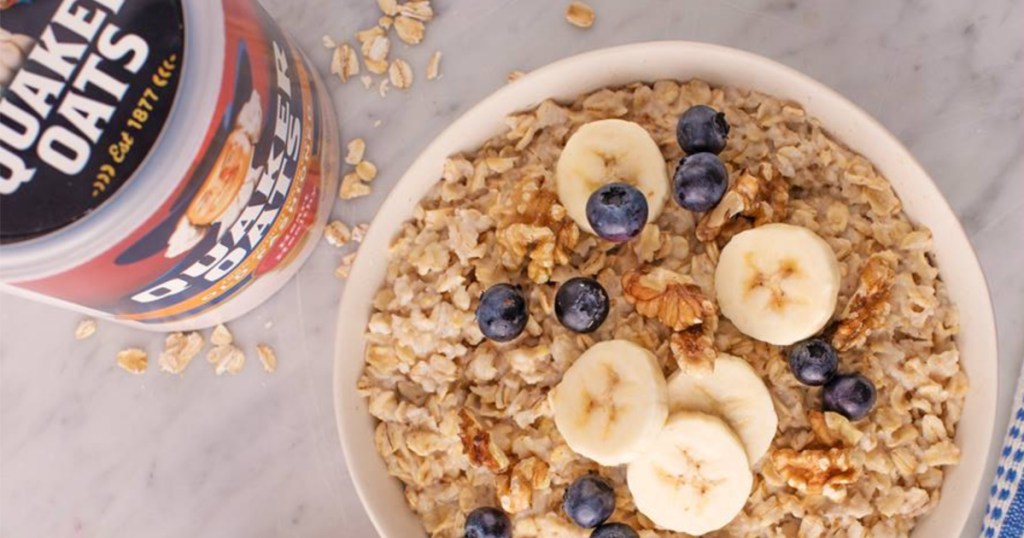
x=1004 y=514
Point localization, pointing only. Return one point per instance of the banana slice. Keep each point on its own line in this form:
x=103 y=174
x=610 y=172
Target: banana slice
x=606 y=151
x=612 y=402
x=777 y=283
x=695 y=478
x=733 y=392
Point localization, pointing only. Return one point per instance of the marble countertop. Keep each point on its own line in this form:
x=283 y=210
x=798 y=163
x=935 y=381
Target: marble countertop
x=87 y=450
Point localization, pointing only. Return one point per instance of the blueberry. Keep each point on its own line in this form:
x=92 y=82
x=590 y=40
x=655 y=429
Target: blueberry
x=614 y=530
x=617 y=211
x=589 y=501
x=700 y=181
x=850 y=395
x=502 y=312
x=702 y=128
x=487 y=522
x=813 y=361
x=581 y=304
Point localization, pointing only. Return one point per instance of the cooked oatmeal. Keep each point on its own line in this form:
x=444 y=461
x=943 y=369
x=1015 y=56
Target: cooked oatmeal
x=466 y=422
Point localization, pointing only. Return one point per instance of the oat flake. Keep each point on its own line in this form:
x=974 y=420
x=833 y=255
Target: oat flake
x=366 y=170
x=400 y=74
x=267 y=357
x=133 y=360
x=434 y=66
x=580 y=15
x=85 y=329
x=356 y=149
x=409 y=30
x=226 y=359
x=337 y=234
x=221 y=336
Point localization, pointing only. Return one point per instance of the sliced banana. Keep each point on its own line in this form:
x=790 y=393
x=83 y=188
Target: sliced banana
x=608 y=151
x=612 y=402
x=777 y=283
x=695 y=478
x=736 y=394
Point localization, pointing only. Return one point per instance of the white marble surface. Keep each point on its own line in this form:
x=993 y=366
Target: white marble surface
x=87 y=450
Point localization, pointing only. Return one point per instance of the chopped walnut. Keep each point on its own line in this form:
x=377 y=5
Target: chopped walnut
x=816 y=472
x=133 y=360
x=580 y=15
x=694 y=349
x=356 y=150
x=434 y=65
x=85 y=329
x=538 y=230
x=668 y=297
x=179 y=350
x=478 y=445
x=761 y=197
x=869 y=305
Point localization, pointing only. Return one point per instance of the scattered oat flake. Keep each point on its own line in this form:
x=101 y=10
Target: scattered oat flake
x=328 y=42
x=375 y=54
x=359 y=232
x=267 y=357
x=345 y=63
x=434 y=66
x=366 y=171
x=356 y=149
x=345 y=268
x=388 y=7
x=353 y=187
x=85 y=329
x=221 y=336
x=367 y=81
x=409 y=30
x=514 y=75
x=400 y=74
x=580 y=14
x=376 y=123
x=226 y=359
x=133 y=360
x=385 y=22
x=337 y=233
x=365 y=37
x=179 y=350
x=384 y=87
x=418 y=9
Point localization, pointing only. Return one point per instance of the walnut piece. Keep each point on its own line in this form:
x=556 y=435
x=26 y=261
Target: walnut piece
x=869 y=305
x=539 y=229
x=761 y=197
x=694 y=349
x=816 y=472
x=667 y=296
x=478 y=445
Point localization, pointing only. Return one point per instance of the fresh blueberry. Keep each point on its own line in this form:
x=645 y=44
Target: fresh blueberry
x=581 y=304
x=502 y=312
x=589 y=501
x=617 y=211
x=813 y=361
x=850 y=395
x=614 y=530
x=700 y=181
x=487 y=522
x=702 y=128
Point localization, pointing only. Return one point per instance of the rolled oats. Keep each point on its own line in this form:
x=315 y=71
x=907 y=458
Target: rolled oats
x=352 y=186
x=400 y=74
x=85 y=329
x=267 y=357
x=221 y=336
x=133 y=360
x=226 y=358
x=434 y=65
x=409 y=29
x=356 y=149
x=494 y=217
x=179 y=350
x=366 y=170
x=343 y=269
x=580 y=15
x=337 y=234
x=345 y=63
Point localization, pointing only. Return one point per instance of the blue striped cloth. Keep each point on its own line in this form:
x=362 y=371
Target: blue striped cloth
x=1004 y=514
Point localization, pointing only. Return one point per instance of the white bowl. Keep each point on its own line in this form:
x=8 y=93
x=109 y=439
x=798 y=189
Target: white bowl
x=563 y=80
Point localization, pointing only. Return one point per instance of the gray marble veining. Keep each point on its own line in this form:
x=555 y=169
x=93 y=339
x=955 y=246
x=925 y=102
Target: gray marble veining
x=87 y=450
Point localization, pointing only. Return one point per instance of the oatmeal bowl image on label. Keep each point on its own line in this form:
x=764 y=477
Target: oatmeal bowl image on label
x=545 y=348
x=171 y=169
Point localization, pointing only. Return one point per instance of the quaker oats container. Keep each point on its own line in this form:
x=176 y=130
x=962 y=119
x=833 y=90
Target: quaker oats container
x=168 y=164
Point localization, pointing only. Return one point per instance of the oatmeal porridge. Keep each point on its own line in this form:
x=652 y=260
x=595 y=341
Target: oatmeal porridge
x=469 y=421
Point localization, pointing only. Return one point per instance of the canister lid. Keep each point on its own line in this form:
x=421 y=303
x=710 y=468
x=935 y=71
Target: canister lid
x=87 y=87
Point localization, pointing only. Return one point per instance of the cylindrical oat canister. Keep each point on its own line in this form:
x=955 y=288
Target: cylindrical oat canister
x=164 y=163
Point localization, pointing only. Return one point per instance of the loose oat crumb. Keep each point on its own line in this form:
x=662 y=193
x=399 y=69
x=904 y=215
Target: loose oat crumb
x=337 y=234
x=385 y=85
x=226 y=359
x=376 y=123
x=267 y=357
x=409 y=30
x=353 y=187
x=85 y=329
x=434 y=65
x=133 y=360
x=388 y=7
x=400 y=74
x=367 y=81
x=328 y=42
x=580 y=15
x=221 y=336
x=514 y=75
x=356 y=149
x=345 y=267
x=359 y=232
x=366 y=170
x=179 y=350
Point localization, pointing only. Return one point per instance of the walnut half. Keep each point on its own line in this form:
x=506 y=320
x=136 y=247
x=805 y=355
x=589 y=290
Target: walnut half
x=761 y=197
x=869 y=305
x=478 y=445
x=816 y=472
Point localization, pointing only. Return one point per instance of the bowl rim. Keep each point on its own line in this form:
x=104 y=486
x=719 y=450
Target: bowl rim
x=982 y=317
